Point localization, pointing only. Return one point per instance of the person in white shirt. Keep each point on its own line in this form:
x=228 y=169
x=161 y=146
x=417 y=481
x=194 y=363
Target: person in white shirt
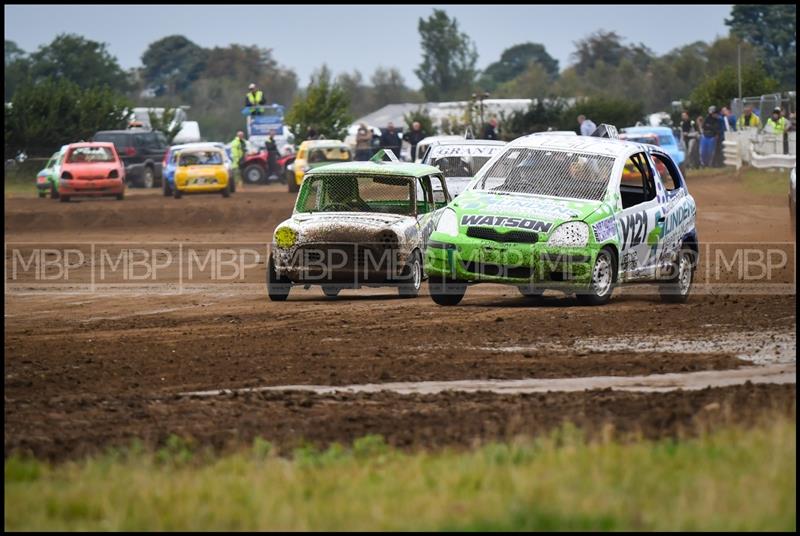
x=587 y=125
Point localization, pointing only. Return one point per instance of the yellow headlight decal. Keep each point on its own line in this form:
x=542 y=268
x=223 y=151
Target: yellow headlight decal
x=285 y=237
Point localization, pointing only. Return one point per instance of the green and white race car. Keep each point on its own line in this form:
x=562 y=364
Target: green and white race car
x=580 y=214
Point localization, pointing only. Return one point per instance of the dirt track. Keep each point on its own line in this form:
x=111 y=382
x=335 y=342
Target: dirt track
x=88 y=369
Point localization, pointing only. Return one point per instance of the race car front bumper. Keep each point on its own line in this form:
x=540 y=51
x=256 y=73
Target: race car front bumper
x=474 y=261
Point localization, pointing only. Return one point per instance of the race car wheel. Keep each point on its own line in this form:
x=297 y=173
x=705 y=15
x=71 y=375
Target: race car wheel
x=412 y=277
x=253 y=174
x=444 y=292
x=331 y=291
x=53 y=192
x=64 y=198
x=148 y=177
x=226 y=192
x=677 y=290
x=42 y=194
x=165 y=188
x=602 y=284
x=177 y=194
x=533 y=294
x=277 y=287
x=120 y=197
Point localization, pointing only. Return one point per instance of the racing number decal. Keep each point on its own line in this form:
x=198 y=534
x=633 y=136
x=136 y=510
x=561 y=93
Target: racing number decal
x=634 y=229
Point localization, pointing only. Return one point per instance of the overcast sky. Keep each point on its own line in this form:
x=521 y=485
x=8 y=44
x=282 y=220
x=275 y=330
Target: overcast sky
x=348 y=37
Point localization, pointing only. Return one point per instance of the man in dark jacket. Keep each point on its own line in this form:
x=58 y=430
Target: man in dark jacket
x=491 y=130
x=711 y=133
x=390 y=139
x=415 y=136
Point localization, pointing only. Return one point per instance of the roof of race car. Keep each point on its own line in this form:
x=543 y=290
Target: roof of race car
x=406 y=169
x=468 y=142
x=583 y=144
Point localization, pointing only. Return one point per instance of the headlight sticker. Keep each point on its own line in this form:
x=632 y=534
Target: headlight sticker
x=605 y=229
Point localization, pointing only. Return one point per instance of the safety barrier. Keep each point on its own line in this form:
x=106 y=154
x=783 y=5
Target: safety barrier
x=759 y=149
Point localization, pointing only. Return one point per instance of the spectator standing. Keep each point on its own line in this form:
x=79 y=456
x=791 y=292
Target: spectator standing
x=688 y=134
x=490 y=132
x=363 y=142
x=272 y=155
x=730 y=119
x=238 y=152
x=587 y=126
x=778 y=125
x=748 y=119
x=390 y=139
x=711 y=133
x=718 y=159
x=414 y=137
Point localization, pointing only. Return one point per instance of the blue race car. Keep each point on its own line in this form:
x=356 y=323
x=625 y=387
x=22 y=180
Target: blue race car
x=666 y=140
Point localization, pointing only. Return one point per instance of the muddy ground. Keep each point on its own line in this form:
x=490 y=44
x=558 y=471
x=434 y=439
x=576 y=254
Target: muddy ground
x=88 y=366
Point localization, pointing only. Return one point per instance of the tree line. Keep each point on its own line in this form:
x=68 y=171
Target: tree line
x=619 y=79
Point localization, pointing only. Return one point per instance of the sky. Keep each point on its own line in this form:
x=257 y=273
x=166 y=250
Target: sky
x=349 y=37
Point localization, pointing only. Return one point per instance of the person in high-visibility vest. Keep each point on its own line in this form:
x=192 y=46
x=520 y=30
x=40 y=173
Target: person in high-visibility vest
x=254 y=99
x=777 y=124
x=748 y=119
x=238 y=151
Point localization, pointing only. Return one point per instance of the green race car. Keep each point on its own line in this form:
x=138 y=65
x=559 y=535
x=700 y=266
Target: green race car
x=47 y=179
x=576 y=214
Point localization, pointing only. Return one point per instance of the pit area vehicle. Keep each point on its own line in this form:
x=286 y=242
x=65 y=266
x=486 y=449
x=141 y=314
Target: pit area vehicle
x=317 y=153
x=142 y=151
x=358 y=224
x=558 y=212
x=460 y=160
x=201 y=171
x=92 y=169
x=47 y=178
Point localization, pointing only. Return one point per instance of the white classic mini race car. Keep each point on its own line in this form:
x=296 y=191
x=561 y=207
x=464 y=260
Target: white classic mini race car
x=358 y=224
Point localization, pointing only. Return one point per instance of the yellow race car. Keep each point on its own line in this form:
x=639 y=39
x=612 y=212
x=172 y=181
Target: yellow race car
x=315 y=153
x=201 y=171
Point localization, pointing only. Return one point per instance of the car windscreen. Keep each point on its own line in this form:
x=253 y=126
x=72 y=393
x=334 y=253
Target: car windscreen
x=90 y=155
x=555 y=173
x=328 y=154
x=200 y=158
x=666 y=140
x=119 y=140
x=357 y=193
x=460 y=166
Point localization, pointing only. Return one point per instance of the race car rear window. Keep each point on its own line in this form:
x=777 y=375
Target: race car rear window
x=548 y=172
x=353 y=193
x=89 y=155
x=460 y=166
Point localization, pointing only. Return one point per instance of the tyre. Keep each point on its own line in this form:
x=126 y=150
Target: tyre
x=293 y=186
x=253 y=174
x=412 y=277
x=165 y=188
x=148 y=177
x=42 y=194
x=226 y=192
x=602 y=284
x=277 y=287
x=64 y=198
x=177 y=194
x=331 y=291
x=444 y=292
x=677 y=289
x=53 y=192
x=120 y=197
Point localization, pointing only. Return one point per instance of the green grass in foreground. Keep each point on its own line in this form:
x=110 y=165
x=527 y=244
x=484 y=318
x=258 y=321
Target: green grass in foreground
x=21 y=180
x=733 y=479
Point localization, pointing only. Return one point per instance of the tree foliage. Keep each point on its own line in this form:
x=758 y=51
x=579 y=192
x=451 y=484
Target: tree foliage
x=515 y=61
x=449 y=56
x=49 y=114
x=721 y=88
x=164 y=122
x=772 y=29
x=323 y=107
x=173 y=63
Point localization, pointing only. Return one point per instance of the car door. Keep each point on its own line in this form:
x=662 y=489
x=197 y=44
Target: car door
x=432 y=194
x=641 y=219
